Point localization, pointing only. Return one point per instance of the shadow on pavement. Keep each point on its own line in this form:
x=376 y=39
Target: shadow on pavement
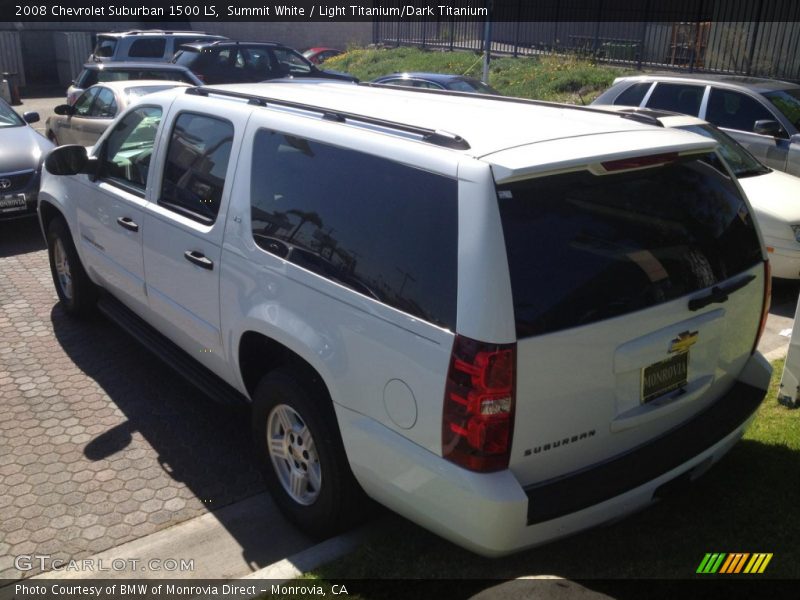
x=188 y=440
x=20 y=236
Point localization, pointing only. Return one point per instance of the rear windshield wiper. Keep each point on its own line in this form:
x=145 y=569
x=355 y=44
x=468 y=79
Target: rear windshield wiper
x=719 y=293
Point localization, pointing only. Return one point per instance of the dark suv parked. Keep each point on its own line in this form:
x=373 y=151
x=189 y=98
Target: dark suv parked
x=248 y=62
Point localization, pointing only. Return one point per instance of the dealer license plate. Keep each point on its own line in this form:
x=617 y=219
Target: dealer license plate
x=665 y=376
x=11 y=203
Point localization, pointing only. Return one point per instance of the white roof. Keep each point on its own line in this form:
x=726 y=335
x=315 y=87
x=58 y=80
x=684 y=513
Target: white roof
x=488 y=125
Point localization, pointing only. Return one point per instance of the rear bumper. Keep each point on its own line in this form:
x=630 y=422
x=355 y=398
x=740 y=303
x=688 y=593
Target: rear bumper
x=493 y=515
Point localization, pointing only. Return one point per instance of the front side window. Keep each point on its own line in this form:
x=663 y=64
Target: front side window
x=9 y=118
x=148 y=48
x=105 y=105
x=741 y=162
x=83 y=104
x=733 y=110
x=383 y=229
x=126 y=153
x=197 y=161
x=291 y=61
x=677 y=97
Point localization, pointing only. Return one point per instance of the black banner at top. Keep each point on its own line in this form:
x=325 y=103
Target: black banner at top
x=184 y=11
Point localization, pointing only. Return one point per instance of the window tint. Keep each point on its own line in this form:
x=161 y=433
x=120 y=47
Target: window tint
x=291 y=62
x=83 y=104
x=383 y=229
x=734 y=110
x=105 y=47
x=105 y=106
x=677 y=97
x=148 y=48
x=583 y=248
x=127 y=150
x=197 y=161
x=633 y=95
x=788 y=102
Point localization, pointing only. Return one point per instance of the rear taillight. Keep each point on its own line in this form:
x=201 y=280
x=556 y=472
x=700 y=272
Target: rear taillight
x=767 y=301
x=479 y=404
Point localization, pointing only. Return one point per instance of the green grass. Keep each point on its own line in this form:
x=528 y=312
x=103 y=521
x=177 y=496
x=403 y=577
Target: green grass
x=551 y=78
x=746 y=503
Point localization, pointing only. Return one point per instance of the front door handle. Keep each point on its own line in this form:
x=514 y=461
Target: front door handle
x=198 y=258
x=127 y=223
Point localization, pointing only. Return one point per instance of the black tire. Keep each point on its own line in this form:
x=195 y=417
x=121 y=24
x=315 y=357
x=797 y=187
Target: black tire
x=338 y=502
x=77 y=293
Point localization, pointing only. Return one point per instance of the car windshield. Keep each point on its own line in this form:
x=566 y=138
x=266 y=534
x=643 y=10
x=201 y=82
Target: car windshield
x=788 y=102
x=8 y=118
x=741 y=162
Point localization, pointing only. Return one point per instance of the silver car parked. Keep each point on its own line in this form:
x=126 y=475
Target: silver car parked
x=761 y=114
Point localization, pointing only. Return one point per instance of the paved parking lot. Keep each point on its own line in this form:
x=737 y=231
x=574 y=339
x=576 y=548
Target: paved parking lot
x=101 y=443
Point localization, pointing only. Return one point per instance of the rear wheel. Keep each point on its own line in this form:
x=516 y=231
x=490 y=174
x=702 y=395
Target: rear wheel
x=301 y=452
x=74 y=288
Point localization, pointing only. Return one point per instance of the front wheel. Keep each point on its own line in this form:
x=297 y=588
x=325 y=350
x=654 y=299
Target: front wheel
x=75 y=290
x=302 y=455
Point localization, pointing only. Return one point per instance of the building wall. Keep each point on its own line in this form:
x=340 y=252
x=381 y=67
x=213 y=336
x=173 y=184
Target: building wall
x=297 y=35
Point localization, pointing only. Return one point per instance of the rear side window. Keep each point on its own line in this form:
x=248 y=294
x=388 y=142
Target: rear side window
x=148 y=48
x=633 y=95
x=678 y=97
x=583 y=248
x=381 y=228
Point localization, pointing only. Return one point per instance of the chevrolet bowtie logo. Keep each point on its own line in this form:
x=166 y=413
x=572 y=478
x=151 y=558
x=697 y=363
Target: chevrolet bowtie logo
x=684 y=341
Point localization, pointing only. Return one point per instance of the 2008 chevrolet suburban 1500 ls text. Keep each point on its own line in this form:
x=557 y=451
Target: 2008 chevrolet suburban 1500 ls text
x=506 y=320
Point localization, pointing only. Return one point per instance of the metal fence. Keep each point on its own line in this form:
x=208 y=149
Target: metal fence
x=750 y=37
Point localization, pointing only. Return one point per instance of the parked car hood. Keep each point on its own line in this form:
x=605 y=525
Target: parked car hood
x=21 y=148
x=775 y=197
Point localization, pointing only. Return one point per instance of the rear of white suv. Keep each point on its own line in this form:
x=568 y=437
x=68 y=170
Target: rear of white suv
x=604 y=354
x=506 y=337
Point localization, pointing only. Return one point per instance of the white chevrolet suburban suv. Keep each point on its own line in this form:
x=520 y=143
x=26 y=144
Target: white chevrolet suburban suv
x=505 y=320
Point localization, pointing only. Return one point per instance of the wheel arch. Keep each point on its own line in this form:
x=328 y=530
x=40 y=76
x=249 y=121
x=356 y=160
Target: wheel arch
x=259 y=353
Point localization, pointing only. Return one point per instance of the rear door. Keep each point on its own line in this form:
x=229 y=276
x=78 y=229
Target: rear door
x=183 y=231
x=621 y=334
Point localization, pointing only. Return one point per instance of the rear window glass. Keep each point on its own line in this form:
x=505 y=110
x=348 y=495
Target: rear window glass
x=634 y=95
x=583 y=248
x=383 y=229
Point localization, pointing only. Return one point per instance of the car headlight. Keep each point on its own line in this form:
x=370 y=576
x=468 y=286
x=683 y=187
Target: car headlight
x=796 y=230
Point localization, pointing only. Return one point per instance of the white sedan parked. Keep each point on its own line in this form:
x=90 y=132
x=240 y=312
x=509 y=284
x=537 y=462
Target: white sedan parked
x=94 y=110
x=774 y=195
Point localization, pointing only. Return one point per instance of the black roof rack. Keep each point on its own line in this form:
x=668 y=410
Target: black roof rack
x=431 y=136
x=632 y=116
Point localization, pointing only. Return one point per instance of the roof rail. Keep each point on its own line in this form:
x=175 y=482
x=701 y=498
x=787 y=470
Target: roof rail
x=431 y=136
x=492 y=97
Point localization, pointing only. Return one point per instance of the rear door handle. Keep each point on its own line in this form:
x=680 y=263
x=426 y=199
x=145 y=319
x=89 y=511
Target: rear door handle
x=127 y=223
x=198 y=258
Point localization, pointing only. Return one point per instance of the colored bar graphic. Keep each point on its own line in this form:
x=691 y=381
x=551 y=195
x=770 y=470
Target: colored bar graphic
x=737 y=562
